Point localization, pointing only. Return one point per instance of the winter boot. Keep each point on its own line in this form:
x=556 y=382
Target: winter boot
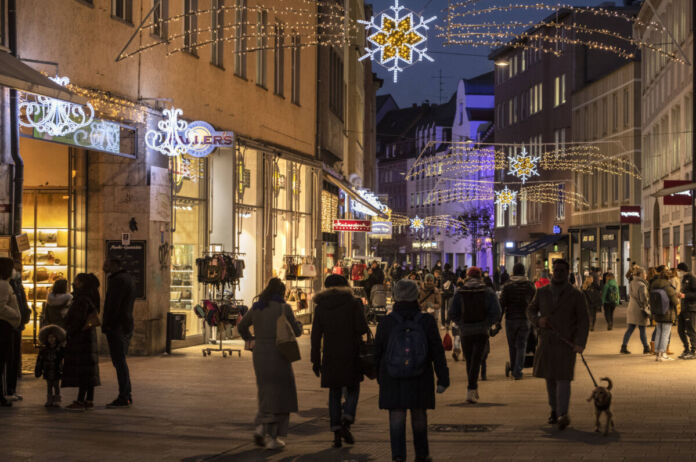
x=652 y=348
x=337 y=439
x=646 y=350
x=624 y=350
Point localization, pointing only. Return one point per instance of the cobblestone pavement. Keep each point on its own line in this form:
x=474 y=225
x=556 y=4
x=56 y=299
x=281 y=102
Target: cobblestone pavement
x=194 y=408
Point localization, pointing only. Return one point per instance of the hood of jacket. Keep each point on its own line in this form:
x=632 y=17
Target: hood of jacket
x=333 y=297
x=474 y=283
x=519 y=279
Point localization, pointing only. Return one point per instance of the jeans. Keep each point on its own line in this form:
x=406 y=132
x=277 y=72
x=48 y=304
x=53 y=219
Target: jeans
x=118 y=349
x=397 y=432
x=686 y=328
x=474 y=347
x=517 y=331
x=609 y=314
x=629 y=332
x=559 y=395
x=346 y=412
x=662 y=331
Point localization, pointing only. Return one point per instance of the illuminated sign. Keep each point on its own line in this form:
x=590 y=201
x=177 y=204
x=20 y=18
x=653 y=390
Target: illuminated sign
x=680 y=198
x=381 y=229
x=557 y=229
x=509 y=245
x=353 y=226
x=371 y=199
x=425 y=245
x=630 y=214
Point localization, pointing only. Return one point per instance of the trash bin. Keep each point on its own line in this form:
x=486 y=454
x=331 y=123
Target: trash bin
x=176 y=329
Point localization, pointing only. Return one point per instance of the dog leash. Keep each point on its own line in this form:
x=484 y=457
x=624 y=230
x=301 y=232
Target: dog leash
x=572 y=345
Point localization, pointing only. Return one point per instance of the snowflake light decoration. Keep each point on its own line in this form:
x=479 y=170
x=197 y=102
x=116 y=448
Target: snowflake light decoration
x=523 y=165
x=397 y=39
x=505 y=197
x=417 y=223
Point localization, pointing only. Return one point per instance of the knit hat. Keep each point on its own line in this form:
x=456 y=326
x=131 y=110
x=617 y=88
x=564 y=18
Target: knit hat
x=405 y=290
x=335 y=280
x=683 y=267
x=474 y=272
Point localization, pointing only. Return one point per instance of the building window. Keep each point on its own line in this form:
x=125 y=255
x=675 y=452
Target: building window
x=159 y=19
x=296 y=67
x=559 y=93
x=336 y=83
x=605 y=116
x=626 y=108
x=535 y=99
x=499 y=216
x=261 y=44
x=605 y=188
x=627 y=185
x=279 y=59
x=513 y=213
x=190 y=25
x=217 y=22
x=523 y=207
x=560 y=203
x=615 y=112
x=676 y=137
x=240 y=42
x=122 y=9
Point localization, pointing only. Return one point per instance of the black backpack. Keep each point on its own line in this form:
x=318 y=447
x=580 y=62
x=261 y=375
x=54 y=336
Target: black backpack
x=473 y=305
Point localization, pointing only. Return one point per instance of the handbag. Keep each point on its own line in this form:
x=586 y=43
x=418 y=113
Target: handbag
x=447 y=343
x=367 y=360
x=92 y=320
x=308 y=270
x=286 y=342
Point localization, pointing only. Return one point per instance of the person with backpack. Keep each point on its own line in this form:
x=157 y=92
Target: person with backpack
x=339 y=323
x=559 y=311
x=663 y=305
x=408 y=348
x=515 y=297
x=638 y=312
x=475 y=308
x=610 y=298
x=686 y=325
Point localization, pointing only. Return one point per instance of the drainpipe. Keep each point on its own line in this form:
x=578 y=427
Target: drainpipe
x=18 y=180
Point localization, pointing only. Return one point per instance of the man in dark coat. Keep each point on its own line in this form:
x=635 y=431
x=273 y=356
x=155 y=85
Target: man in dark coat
x=375 y=276
x=559 y=311
x=686 y=322
x=415 y=393
x=516 y=295
x=339 y=320
x=118 y=325
x=14 y=366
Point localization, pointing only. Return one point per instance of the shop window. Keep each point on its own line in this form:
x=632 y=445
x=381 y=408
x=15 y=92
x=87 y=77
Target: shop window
x=240 y=62
x=261 y=44
x=123 y=10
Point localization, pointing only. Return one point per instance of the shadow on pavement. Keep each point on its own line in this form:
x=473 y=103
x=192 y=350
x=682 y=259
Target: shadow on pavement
x=581 y=436
x=252 y=455
x=260 y=455
x=466 y=404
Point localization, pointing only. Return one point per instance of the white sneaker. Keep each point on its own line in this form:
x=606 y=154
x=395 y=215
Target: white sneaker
x=275 y=443
x=665 y=357
x=472 y=396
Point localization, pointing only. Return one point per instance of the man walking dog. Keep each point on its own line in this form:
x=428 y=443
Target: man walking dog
x=559 y=311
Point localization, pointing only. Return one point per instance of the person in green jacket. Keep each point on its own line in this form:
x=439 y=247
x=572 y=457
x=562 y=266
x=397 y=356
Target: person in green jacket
x=610 y=298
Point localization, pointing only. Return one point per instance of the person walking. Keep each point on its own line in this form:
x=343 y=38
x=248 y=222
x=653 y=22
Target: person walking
x=475 y=308
x=395 y=272
x=559 y=311
x=81 y=360
x=375 y=277
x=275 y=381
x=405 y=375
x=57 y=304
x=610 y=298
x=593 y=298
x=504 y=275
x=638 y=312
x=118 y=325
x=663 y=305
x=515 y=297
x=429 y=297
x=686 y=325
x=338 y=325
x=10 y=320
x=449 y=282
x=14 y=366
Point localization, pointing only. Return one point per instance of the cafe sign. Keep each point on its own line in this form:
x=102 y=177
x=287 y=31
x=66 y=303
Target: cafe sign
x=352 y=226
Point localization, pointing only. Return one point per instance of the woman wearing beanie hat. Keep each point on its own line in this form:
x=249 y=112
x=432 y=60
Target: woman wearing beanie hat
x=409 y=391
x=339 y=320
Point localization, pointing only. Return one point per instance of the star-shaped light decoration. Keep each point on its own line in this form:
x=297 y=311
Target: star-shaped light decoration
x=398 y=38
x=523 y=165
x=417 y=223
x=505 y=197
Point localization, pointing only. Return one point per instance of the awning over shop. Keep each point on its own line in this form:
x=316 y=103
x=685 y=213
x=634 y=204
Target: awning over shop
x=350 y=190
x=675 y=190
x=535 y=246
x=15 y=74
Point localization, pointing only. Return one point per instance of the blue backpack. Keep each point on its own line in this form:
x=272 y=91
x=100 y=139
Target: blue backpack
x=659 y=302
x=407 y=350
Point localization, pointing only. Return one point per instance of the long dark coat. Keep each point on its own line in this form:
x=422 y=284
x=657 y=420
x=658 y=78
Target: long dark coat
x=555 y=359
x=417 y=392
x=339 y=320
x=81 y=364
x=275 y=381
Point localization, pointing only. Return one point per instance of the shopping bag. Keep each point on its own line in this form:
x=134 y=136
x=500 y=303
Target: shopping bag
x=447 y=342
x=307 y=270
x=457 y=343
x=367 y=360
x=286 y=342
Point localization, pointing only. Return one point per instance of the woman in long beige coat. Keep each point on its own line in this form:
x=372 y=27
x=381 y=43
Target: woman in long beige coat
x=635 y=315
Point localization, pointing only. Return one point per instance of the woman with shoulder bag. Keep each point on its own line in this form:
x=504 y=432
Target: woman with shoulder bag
x=638 y=313
x=81 y=363
x=275 y=381
x=593 y=298
x=339 y=323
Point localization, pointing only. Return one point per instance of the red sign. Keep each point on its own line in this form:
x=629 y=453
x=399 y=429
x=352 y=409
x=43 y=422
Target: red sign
x=630 y=214
x=680 y=198
x=354 y=226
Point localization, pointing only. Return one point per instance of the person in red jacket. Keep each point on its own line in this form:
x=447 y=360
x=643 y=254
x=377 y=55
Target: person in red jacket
x=543 y=280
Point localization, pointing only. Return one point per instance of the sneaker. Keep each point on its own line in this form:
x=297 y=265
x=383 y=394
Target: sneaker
x=259 y=437
x=76 y=406
x=690 y=355
x=563 y=422
x=275 y=443
x=471 y=396
x=684 y=353
x=15 y=397
x=646 y=350
x=666 y=358
x=553 y=418
x=118 y=403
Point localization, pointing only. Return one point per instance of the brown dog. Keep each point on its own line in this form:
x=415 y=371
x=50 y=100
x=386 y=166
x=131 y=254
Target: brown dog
x=602 y=403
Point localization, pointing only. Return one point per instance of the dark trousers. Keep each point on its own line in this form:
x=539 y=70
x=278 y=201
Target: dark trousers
x=517 y=331
x=558 y=392
x=14 y=362
x=474 y=347
x=343 y=412
x=444 y=309
x=118 y=349
x=52 y=390
x=686 y=328
x=85 y=394
x=592 y=311
x=5 y=352
x=609 y=314
x=397 y=432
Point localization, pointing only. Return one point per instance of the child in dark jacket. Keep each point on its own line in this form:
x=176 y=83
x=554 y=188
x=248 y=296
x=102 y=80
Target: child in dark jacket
x=49 y=363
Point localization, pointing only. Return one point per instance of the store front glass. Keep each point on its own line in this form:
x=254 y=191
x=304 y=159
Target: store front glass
x=189 y=175
x=250 y=221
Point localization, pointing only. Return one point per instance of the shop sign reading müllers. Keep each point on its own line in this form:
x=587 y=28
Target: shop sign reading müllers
x=353 y=226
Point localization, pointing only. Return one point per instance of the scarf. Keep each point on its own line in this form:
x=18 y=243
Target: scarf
x=261 y=304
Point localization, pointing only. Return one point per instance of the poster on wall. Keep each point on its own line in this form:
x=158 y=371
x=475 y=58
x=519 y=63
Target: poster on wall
x=133 y=259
